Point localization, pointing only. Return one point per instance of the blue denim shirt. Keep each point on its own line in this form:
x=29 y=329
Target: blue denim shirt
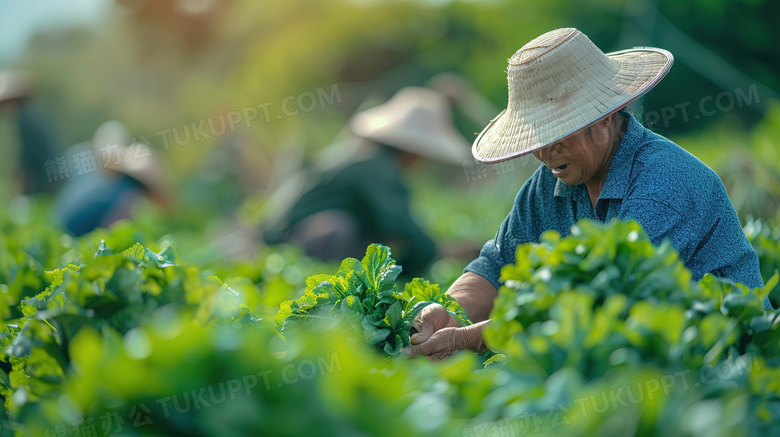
x=670 y=192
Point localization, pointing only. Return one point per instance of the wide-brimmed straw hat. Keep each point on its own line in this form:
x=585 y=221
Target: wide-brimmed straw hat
x=560 y=83
x=135 y=160
x=416 y=120
x=13 y=85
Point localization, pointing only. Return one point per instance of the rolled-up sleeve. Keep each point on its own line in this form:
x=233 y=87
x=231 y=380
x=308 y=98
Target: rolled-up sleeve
x=491 y=260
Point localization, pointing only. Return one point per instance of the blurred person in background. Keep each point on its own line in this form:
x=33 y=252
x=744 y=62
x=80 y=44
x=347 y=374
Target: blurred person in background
x=37 y=139
x=334 y=211
x=108 y=180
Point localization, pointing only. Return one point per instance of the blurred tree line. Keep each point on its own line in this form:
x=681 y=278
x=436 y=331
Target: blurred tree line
x=159 y=65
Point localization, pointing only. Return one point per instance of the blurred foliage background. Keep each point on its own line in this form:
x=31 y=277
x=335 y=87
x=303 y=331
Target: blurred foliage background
x=160 y=66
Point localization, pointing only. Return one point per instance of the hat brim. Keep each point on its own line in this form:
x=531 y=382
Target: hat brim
x=442 y=145
x=12 y=87
x=145 y=169
x=512 y=134
x=415 y=120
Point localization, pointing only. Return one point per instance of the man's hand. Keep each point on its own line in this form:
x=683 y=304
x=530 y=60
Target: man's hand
x=447 y=341
x=432 y=318
x=439 y=335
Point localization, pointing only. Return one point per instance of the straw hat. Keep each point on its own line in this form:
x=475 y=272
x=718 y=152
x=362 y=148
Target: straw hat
x=415 y=120
x=560 y=83
x=136 y=160
x=13 y=86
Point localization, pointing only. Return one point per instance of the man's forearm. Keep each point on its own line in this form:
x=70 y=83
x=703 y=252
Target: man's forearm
x=475 y=294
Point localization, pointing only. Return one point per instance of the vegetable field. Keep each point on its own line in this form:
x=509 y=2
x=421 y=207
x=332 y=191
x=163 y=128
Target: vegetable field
x=598 y=333
x=184 y=321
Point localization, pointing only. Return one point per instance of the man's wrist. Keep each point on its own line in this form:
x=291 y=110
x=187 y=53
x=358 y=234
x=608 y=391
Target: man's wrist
x=471 y=337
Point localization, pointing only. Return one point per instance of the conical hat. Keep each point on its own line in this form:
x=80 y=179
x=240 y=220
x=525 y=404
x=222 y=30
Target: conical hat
x=560 y=83
x=136 y=160
x=416 y=120
x=13 y=86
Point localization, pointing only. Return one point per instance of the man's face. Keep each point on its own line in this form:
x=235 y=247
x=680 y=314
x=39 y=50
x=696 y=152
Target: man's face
x=580 y=158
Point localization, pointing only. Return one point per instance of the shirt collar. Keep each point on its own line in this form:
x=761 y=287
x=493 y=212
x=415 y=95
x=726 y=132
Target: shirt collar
x=619 y=170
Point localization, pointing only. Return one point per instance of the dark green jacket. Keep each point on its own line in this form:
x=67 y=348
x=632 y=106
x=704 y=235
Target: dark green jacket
x=38 y=144
x=370 y=190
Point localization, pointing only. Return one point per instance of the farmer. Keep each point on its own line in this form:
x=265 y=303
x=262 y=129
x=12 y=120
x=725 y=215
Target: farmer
x=339 y=210
x=38 y=143
x=566 y=101
x=113 y=178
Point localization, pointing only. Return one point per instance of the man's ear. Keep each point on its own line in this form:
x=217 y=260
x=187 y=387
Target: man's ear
x=607 y=120
x=600 y=131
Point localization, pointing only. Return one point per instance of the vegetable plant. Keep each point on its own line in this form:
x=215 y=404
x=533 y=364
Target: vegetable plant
x=118 y=291
x=364 y=293
x=585 y=318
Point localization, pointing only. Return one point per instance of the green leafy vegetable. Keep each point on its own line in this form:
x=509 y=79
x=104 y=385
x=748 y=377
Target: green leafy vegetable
x=120 y=291
x=364 y=294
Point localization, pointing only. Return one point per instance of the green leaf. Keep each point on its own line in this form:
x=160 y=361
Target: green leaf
x=375 y=262
x=743 y=306
x=345 y=286
x=103 y=249
x=353 y=311
x=374 y=319
x=762 y=323
x=772 y=282
x=327 y=293
x=166 y=258
x=247 y=317
x=21 y=345
x=315 y=280
x=372 y=334
x=393 y=316
x=285 y=310
x=497 y=358
x=387 y=280
x=420 y=290
x=764 y=292
x=393 y=347
x=31 y=306
x=136 y=253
